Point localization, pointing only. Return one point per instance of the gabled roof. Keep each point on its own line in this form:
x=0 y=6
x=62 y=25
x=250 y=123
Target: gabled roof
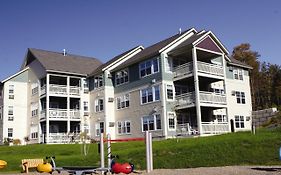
x=114 y=59
x=57 y=62
x=154 y=49
x=16 y=74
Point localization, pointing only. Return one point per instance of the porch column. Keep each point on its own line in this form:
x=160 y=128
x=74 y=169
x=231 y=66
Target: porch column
x=68 y=103
x=225 y=91
x=196 y=86
x=47 y=108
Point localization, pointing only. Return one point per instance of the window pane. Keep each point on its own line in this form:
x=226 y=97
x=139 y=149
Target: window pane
x=150 y=95
x=155 y=65
x=157 y=93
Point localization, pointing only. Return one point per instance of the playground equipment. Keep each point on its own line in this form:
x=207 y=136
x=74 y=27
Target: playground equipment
x=113 y=166
x=3 y=164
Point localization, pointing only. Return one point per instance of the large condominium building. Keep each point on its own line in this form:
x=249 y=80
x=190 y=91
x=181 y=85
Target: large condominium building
x=184 y=85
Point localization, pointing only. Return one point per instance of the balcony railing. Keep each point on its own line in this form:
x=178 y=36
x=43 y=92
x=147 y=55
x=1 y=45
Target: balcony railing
x=74 y=114
x=58 y=89
x=43 y=90
x=210 y=68
x=74 y=90
x=187 y=99
x=63 y=138
x=58 y=113
x=183 y=70
x=212 y=98
x=214 y=128
x=207 y=68
x=43 y=114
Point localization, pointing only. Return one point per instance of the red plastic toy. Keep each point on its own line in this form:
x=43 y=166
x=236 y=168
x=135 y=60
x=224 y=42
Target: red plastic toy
x=122 y=168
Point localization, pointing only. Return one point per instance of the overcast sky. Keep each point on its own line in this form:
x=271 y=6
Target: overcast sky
x=106 y=28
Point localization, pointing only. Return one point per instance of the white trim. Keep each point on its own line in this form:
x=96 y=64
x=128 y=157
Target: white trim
x=123 y=58
x=207 y=50
x=154 y=120
x=173 y=89
x=16 y=74
x=115 y=79
x=178 y=39
x=175 y=120
x=152 y=67
x=62 y=72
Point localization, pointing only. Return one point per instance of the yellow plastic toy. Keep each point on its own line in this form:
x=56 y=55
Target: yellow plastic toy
x=44 y=168
x=3 y=164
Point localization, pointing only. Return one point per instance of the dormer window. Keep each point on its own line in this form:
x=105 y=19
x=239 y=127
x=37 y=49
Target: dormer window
x=122 y=77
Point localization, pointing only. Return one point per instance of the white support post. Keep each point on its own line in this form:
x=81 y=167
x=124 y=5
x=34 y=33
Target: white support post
x=47 y=109
x=101 y=151
x=68 y=103
x=149 y=154
x=108 y=152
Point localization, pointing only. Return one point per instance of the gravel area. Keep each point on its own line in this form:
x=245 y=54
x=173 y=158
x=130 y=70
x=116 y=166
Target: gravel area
x=228 y=170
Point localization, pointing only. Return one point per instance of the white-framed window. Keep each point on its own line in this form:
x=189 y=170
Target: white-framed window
x=124 y=127
x=10 y=132
x=240 y=97
x=238 y=74
x=99 y=128
x=34 y=135
x=11 y=91
x=10 y=110
x=151 y=123
x=34 y=112
x=171 y=121
x=122 y=77
x=217 y=91
x=99 y=105
x=150 y=94
x=123 y=101
x=34 y=88
x=86 y=106
x=148 y=67
x=221 y=118
x=10 y=118
x=86 y=85
x=98 y=81
x=170 y=92
x=239 y=121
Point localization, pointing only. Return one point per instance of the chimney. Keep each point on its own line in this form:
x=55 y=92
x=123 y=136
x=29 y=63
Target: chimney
x=64 y=52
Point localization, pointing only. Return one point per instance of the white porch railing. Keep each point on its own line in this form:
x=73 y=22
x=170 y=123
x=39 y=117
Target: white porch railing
x=43 y=90
x=74 y=114
x=58 y=89
x=212 y=98
x=74 y=90
x=43 y=114
x=210 y=68
x=58 y=113
x=183 y=70
x=214 y=128
x=185 y=99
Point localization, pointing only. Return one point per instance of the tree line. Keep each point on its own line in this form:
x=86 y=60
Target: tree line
x=265 y=78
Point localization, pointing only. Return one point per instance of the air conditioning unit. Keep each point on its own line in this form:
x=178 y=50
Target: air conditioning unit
x=153 y=81
x=110 y=99
x=86 y=113
x=233 y=93
x=231 y=68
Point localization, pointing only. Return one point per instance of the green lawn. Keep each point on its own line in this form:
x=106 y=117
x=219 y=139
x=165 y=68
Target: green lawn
x=230 y=149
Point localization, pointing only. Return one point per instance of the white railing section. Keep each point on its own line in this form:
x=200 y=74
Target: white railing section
x=183 y=70
x=74 y=114
x=58 y=89
x=58 y=113
x=210 y=68
x=213 y=98
x=185 y=99
x=214 y=128
x=43 y=114
x=74 y=90
x=43 y=90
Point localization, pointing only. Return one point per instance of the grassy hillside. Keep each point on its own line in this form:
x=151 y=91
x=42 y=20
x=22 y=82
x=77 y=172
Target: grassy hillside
x=229 y=149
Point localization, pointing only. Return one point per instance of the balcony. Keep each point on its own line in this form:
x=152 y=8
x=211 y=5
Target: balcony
x=74 y=90
x=43 y=90
x=206 y=99
x=60 y=114
x=186 y=70
x=214 y=128
x=63 y=138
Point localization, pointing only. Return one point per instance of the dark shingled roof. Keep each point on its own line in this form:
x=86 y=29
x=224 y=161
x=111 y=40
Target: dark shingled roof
x=55 y=61
x=152 y=50
x=99 y=69
x=239 y=63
